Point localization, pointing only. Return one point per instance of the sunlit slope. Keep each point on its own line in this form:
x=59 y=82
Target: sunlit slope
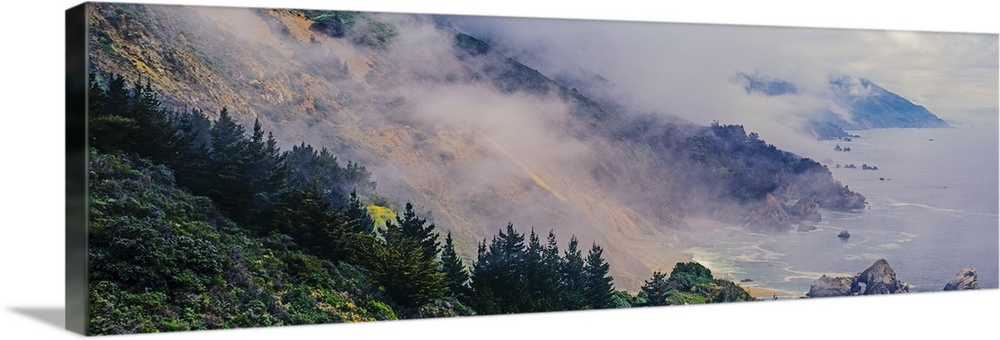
x=474 y=139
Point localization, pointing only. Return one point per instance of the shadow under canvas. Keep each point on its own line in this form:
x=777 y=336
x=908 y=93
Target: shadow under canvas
x=53 y=316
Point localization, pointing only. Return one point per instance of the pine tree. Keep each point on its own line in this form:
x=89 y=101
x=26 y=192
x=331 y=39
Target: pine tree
x=305 y=163
x=192 y=169
x=412 y=226
x=358 y=216
x=598 y=286
x=572 y=280
x=266 y=171
x=131 y=120
x=356 y=176
x=399 y=265
x=655 y=290
x=552 y=272
x=486 y=272
x=230 y=189
x=498 y=279
x=117 y=96
x=455 y=273
x=304 y=214
x=542 y=279
x=517 y=295
x=109 y=126
x=196 y=129
x=158 y=138
x=513 y=246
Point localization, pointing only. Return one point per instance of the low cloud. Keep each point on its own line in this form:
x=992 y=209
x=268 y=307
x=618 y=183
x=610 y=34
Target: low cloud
x=685 y=69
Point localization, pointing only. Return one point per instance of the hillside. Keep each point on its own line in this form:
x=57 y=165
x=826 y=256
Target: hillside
x=165 y=260
x=848 y=104
x=447 y=121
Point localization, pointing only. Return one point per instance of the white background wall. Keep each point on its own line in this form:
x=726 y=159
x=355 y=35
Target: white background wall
x=32 y=208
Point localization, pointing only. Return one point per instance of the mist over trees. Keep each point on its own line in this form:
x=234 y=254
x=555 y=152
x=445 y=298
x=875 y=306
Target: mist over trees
x=436 y=115
x=306 y=209
x=216 y=227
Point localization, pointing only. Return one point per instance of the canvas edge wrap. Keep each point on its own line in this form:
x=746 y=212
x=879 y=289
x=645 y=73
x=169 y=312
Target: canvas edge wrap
x=76 y=169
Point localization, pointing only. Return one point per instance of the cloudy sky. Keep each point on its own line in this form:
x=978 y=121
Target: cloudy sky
x=677 y=67
x=686 y=69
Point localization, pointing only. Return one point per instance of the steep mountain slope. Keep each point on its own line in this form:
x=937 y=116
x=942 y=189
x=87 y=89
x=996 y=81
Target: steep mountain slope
x=872 y=106
x=861 y=104
x=473 y=138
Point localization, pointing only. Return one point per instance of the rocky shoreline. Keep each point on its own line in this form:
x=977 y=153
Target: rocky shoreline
x=880 y=279
x=772 y=215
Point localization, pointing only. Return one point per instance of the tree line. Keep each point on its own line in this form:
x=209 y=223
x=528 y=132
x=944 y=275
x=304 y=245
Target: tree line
x=305 y=204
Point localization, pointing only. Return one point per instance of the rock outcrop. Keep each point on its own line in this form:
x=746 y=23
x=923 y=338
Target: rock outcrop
x=770 y=216
x=805 y=210
x=877 y=279
x=828 y=286
x=965 y=279
x=846 y=200
x=844 y=235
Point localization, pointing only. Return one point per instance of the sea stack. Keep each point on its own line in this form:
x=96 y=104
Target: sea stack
x=828 y=286
x=965 y=279
x=877 y=279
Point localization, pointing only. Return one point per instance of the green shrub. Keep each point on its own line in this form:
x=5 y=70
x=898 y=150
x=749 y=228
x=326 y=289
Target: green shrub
x=690 y=274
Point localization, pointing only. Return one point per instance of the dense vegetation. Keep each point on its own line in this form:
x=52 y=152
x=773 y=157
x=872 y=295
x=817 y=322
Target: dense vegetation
x=360 y=27
x=200 y=224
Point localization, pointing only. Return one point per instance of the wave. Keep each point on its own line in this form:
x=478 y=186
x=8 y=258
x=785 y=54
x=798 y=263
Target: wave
x=897 y=204
x=810 y=275
x=714 y=261
x=865 y=256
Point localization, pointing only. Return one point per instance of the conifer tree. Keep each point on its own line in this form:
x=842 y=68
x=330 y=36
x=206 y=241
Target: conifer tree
x=655 y=290
x=116 y=100
x=498 y=279
x=109 y=127
x=304 y=214
x=414 y=227
x=306 y=163
x=455 y=273
x=266 y=171
x=229 y=189
x=598 y=286
x=399 y=265
x=552 y=272
x=486 y=272
x=572 y=280
x=356 y=176
x=361 y=221
x=196 y=129
x=542 y=278
x=158 y=137
x=193 y=166
x=517 y=296
x=132 y=120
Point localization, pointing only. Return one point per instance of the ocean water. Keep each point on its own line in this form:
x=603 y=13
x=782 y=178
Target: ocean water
x=932 y=209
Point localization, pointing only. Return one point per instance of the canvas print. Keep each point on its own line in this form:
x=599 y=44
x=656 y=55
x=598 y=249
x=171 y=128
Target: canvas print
x=256 y=167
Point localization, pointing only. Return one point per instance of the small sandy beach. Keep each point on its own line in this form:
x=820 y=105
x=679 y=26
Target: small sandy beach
x=768 y=294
